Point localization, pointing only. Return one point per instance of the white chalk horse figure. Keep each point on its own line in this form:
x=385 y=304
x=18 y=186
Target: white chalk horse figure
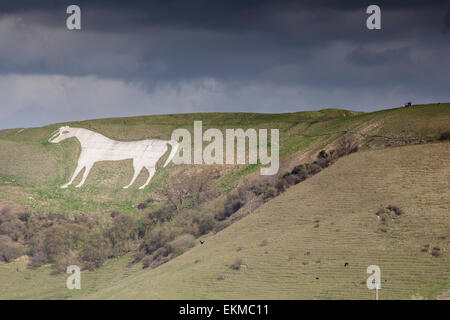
x=96 y=147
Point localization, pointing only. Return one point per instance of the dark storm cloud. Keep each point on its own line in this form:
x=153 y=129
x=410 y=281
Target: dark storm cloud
x=370 y=58
x=447 y=21
x=205 y=55
x=228 y=14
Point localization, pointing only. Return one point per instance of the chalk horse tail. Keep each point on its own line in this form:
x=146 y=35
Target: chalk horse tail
x=175 y=145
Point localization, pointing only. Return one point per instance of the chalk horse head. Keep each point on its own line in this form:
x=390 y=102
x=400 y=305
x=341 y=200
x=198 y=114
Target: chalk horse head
x=61 y=134
x=96 y=147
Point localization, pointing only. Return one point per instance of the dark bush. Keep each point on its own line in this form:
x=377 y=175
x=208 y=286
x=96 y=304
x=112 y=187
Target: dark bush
x=11 y=223
x=38 y=258
x=14 y=228
x=114 y=214
x=436 y=252
x=158 y=258
x=444 y=136
x=10 y=250
x=122 y=233
x=55 y=243
x=181 y=243
x=395 y=209
x=95 y=253
x=270 y=193
x=66 y=260
x=314 y=168
x=206 y=223
x=292 y=179
x=234 y=201
x=142 y=206
x=347 y=144
x=281 y=185
x=323 y=155
x=155 y=239
x=298 y=168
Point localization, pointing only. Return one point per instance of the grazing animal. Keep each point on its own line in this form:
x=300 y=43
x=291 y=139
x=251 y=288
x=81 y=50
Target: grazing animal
x=96 y=147
x=202 y=241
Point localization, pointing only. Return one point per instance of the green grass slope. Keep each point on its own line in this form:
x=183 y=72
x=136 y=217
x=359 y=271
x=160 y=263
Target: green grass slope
x=296 y=245
x=31 y=169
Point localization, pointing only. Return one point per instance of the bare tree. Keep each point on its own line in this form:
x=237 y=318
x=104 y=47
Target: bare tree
x=189 y=188
x=347 y=144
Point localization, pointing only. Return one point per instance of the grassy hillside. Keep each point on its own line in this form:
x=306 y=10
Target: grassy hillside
x=296 y=245
x=31 y=169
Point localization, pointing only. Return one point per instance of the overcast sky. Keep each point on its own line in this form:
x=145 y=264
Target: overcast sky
x=173 y=56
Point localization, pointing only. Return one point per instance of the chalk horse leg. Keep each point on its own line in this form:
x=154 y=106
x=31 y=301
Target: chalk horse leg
x=151 y=173
x=85 y=174
x=137 y=169
x=75 y=174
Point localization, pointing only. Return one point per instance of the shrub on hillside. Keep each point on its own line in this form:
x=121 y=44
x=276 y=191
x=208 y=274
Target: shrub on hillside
x=12 y=223
x=314 y=168
x=155 y=239
x=62 y=262
x=122 y=234
x=95 y=252
x=292 y=179
x=114 y=214
x=444 y=136
x=298 y=168
x=181 y=243
x=142 y=206
x=38 y=258
x=398 y=211
x=156 y=259
x=347 y=144
x=10 y=250
x=55 y=242
x=206 y=223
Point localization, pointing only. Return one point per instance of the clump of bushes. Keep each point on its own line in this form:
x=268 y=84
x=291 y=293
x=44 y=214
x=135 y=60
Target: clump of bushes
x=433 y=251
x=436 y=252
x=395 y=209
x=61 y=241
x=385 y=214
x=161 y=245
x=390 y=208
x=9 y=249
